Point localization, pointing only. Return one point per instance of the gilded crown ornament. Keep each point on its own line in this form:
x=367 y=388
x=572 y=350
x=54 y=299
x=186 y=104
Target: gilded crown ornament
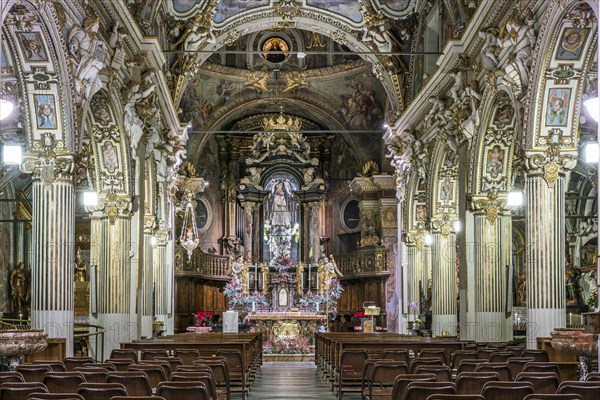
x=281 y=123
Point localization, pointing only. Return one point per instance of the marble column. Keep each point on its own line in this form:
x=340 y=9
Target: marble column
x=111 y=249
x=493 y=249
x=314 y=239
x=545 y=256
x=443 y=294
x=53 y=230
x=248 y=229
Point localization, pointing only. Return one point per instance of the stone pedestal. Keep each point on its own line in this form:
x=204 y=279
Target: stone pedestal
x=18 y=343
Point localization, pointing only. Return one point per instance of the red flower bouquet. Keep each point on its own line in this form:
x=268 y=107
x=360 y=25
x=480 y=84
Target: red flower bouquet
x=202 y=318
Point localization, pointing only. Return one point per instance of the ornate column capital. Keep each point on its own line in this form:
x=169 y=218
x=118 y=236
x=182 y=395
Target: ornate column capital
x=553 y=161
x=50 y=167
x=416 y=239
x=492 y=206
x=113 y=206
x=442 y=225
x=162 y=237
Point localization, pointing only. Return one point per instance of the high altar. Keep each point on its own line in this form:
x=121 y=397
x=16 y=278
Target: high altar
x=289 y=292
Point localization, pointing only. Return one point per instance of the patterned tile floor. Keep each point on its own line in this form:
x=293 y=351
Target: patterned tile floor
x=291 y=381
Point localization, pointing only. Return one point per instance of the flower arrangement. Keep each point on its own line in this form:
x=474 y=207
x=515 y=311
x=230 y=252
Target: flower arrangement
x=283 y=260
x=287 y=345
x=310 y=300
x=202 y=318
x=356 y=318
x=238 y=300
x=593 y=300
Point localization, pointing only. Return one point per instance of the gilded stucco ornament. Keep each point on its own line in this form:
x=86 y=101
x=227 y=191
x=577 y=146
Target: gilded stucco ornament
x=287 y=9
x=554 y=160
x=492 y=206
x=114 y=206
x=257 y=81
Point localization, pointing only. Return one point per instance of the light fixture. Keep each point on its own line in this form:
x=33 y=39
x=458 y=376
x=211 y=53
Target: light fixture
x=301 y=54
x=428 y=240
x=592 y=153
x=11 y=154
x=514 y=198
x=90 y=198
x=385 y=125
x=593 y=108
x=6 y=108
x=457 y=226
x=189 y=238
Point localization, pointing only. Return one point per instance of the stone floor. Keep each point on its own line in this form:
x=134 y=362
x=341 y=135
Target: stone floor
x=290 y=381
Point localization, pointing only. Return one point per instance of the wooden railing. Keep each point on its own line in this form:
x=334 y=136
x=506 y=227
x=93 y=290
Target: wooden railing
x=205 y=264
x=366 y=261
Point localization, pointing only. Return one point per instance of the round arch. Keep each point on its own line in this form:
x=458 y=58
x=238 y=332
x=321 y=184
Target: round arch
x=493 y=157
x=109 y=147
x=567 y=66
x=329 y=25
x=47 y=103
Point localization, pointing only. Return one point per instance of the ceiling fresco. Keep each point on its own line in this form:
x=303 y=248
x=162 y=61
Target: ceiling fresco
x=226 y=9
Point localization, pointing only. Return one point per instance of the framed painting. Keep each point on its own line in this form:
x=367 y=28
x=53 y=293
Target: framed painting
x=557 y=108
x=45 y=111
x=32 y=47
x=571 y=43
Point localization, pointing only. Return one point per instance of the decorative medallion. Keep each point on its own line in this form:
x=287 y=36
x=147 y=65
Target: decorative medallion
x=551 y=173
x=420 y=242
x=446 y=230
x=491 y=213
x=287 y=9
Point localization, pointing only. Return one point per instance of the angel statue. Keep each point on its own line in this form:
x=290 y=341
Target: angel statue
x=87 y=54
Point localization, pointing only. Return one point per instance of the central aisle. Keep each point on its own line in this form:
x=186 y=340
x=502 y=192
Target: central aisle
x=290 y=381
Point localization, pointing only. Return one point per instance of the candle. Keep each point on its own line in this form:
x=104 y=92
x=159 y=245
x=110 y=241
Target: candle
x=317 y=307
x=309 y=268
x=253 y=306
x=571 y=319
x=255 y=276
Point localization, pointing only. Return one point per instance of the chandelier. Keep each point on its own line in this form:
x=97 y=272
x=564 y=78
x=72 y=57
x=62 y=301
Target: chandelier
x=189 y=238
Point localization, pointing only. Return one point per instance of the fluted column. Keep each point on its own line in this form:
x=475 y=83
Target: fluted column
x=53 y=229
x=415 y=258
x=160 y=274
x=148 y=281
x=545 y=256
x=110 y=251
x=493 y=248
x=443 y=296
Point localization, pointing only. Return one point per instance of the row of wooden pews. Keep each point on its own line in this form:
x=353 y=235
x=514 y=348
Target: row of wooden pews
x=330 y=346
x=242 y=352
